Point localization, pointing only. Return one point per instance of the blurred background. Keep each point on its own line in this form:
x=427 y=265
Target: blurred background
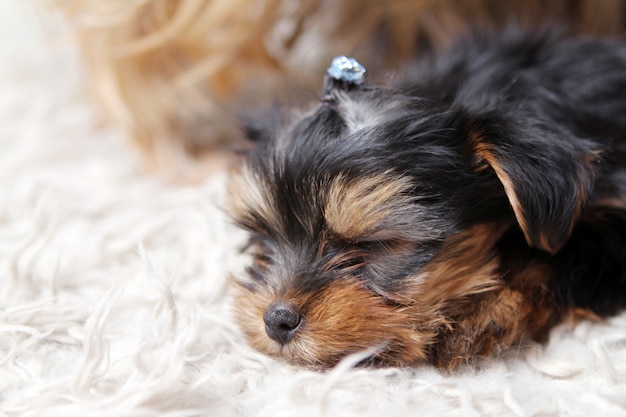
x=175 y=74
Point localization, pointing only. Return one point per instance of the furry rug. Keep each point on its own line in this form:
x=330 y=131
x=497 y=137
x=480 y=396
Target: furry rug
x=114 y=289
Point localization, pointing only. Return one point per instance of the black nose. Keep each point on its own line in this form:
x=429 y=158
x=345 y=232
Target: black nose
x=281 y=321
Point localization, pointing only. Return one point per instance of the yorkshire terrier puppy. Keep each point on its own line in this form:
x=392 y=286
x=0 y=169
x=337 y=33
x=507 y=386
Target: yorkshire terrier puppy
x=444 y=216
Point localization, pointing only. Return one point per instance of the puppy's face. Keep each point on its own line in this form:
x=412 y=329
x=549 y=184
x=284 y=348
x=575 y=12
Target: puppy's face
x=374 y=221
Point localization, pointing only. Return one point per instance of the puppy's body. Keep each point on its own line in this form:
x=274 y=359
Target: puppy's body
x=475 y=202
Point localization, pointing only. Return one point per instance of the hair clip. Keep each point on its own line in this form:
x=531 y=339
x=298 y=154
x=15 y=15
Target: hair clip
x=347 y=70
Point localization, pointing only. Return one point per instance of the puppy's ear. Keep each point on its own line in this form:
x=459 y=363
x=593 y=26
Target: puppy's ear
x=546 y=172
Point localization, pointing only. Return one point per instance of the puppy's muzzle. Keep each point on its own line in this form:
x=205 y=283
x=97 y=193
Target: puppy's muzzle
x=282 y=321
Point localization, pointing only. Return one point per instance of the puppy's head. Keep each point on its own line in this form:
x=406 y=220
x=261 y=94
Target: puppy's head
x=374 y=222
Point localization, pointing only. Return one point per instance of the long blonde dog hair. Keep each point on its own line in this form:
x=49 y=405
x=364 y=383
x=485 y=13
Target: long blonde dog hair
x=173 y=73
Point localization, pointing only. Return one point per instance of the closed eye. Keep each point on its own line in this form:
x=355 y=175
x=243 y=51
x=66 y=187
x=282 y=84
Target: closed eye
x=345 y=261
x=261 y=252
x=353 y=257
x=379 y=245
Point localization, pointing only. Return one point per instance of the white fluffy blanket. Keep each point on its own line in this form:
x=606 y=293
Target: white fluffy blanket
x=113 y=289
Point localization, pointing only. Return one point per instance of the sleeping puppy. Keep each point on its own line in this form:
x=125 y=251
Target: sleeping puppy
x=478 y=200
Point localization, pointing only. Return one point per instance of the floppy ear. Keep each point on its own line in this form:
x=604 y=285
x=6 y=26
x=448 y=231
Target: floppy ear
x=546 y=171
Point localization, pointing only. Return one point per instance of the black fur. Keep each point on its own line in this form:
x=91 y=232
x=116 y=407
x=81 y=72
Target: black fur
x=527 y=131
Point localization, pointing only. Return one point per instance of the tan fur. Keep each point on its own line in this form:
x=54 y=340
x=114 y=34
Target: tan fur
x=466 y=265
x=484 y=153
x=364 y=209
x=488 y=325
x=616 y=203
x=248 y=197
x=484 y=314
x=463 y=286
x=343 y=318
x=458 y=310
x=532 y=282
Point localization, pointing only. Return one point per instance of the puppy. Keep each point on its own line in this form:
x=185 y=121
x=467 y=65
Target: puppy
x=446 y=216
